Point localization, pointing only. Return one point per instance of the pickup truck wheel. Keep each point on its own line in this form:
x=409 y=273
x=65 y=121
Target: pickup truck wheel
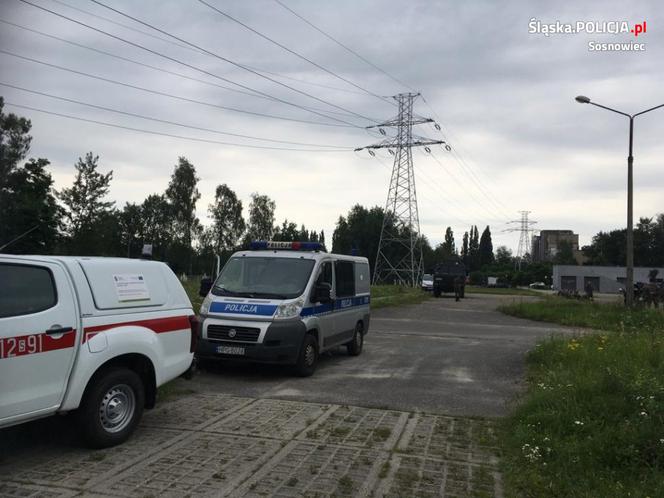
x=112 y=408
x=354 y=347
x=308 y=357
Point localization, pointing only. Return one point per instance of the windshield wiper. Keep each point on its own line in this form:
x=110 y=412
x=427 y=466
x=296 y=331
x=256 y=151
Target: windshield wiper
x=269 y=295
x=223 y=291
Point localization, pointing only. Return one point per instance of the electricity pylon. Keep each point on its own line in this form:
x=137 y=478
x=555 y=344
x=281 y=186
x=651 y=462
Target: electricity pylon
x=399 y=258
x=524 y=238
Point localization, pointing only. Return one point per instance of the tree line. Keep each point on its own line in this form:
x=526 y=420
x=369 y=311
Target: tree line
x=80 y=219
x=359 y=233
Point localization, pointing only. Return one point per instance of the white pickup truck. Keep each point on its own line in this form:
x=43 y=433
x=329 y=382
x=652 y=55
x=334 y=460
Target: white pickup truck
x=95 y=335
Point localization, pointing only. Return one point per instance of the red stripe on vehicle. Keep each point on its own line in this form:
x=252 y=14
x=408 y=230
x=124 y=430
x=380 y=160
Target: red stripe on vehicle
x=22 y=345
x=157 y=325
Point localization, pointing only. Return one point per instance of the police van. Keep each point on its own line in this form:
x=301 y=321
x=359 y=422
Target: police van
x=285 y=302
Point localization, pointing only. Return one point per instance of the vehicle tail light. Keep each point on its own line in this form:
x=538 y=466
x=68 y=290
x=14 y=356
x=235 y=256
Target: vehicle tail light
x=194 y=323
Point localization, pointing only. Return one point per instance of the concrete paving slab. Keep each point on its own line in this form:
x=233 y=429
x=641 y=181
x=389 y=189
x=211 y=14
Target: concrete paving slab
x=411 y=416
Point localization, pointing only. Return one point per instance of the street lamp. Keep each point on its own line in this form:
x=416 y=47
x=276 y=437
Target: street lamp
x=629 y=284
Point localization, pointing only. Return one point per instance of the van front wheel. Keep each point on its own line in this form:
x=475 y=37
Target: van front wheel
x=355 y=345
x=308 y=357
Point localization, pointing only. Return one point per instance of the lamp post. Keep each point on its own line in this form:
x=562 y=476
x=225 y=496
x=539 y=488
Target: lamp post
x=629 y=280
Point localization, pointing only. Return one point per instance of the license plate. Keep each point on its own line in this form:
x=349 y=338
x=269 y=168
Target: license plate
x=230 y=350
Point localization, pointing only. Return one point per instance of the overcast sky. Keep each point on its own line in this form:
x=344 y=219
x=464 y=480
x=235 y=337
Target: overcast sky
x=503 y=97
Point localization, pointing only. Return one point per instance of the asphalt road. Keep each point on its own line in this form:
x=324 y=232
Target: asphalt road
x=458 y=358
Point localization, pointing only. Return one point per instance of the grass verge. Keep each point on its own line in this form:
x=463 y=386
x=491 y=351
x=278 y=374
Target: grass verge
x=592 y=420
x=383 y=296
x=192 y=286
x=472 y=289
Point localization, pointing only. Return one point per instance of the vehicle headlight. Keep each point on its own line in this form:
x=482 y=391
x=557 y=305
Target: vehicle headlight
x=290 y=310
x=205 y=305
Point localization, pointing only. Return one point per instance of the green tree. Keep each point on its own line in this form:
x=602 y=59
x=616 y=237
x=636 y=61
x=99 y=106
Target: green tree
x=182 y=193
x=359 y=233
x=485 y=248
x=448 y=246
x=14 y=142
x=157 y=225
x=429 y=258
x=504 y=256
x=86 y=210
x=303 y=234
x=609 y=248
x=131 y=220
x=228 y=225
x=28 y=205
x=473 y=249
x=28 y=208
x=464 y=249
x=286 y=232
x=261 y=218
x=565 y=254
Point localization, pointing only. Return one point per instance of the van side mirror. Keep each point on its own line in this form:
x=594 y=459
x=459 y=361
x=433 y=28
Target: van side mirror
x=323 y=293
x=206 y=285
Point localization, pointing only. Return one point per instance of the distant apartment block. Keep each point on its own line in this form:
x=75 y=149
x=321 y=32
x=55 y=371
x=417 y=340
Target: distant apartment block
x=547 y=244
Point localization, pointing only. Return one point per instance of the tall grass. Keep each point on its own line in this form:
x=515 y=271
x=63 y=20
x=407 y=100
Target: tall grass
x=591 y=423
x=383 y=296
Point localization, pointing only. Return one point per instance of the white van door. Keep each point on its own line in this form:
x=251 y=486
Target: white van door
x=38 y=325
x=326 y=318
x=345 y=311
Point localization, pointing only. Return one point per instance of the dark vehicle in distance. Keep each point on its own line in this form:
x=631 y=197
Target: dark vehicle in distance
x=449 y=276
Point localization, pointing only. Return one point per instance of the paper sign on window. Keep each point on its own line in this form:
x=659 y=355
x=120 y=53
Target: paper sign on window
x=131 y=287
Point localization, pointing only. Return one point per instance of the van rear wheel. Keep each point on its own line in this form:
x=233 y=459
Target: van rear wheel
x=355 y=345
x=307 y=360
x=112 y=407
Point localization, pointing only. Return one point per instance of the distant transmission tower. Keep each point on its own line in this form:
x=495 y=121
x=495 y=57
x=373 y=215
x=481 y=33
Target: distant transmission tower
x=399 y=258
x=524 y=239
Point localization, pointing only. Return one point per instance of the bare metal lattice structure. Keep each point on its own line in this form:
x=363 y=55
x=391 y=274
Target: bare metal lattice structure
x=399 y=257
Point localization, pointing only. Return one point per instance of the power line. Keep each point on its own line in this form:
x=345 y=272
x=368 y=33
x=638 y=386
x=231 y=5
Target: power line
x=182 y=45
x=170 y=135
x=125 y=26
x=229 y=61
x=289 y=50
x=156 y=68
x=345 y=47
x=174 y=123
x=203 y=70
x=497 y=202
x=462 y=186
x=164 y=94
x=430 y=182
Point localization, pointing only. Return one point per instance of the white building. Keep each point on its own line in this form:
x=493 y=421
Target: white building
x=607 y=279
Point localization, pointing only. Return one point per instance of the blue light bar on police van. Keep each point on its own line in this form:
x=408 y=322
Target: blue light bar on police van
x=290 y=246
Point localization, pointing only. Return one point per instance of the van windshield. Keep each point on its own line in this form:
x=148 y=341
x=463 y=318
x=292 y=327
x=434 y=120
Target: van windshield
x=271 y=278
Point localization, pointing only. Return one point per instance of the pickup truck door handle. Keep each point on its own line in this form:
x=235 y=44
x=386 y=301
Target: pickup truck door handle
x=55 y=330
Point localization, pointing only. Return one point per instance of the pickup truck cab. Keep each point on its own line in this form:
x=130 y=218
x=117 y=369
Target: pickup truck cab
x=94 y=335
